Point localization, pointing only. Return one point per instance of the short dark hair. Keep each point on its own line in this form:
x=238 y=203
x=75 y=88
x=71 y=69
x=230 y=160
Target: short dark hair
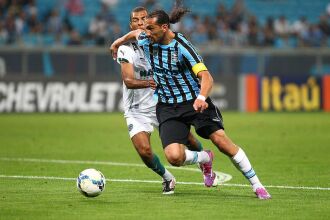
x=137 y=9
x=176 y=14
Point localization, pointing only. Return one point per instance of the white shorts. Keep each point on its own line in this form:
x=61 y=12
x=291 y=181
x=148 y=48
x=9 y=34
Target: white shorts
x=141 y=122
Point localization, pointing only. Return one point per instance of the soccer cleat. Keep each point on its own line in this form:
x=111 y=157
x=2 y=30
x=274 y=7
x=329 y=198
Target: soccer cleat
x=262 y=193
x=168 y=186
x=209 y=176
x=216 y=180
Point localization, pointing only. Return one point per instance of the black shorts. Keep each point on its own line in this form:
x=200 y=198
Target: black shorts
x=175 y=121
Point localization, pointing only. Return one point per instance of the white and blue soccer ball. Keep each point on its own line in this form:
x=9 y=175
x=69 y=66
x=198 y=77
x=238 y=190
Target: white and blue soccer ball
x=91 y=182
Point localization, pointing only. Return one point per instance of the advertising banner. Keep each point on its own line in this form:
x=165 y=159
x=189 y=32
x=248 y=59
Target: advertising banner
x=285 y=94
x=274 y=93
x=59 y=96
x=87 y=95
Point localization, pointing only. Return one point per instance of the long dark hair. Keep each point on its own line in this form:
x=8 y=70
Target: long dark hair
x=176 y=14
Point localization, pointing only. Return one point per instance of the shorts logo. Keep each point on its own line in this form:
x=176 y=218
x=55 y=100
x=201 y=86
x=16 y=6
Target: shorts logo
x=216 y=119
x=130 y=127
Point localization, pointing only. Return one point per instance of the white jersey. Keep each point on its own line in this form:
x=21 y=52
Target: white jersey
x=137 y=101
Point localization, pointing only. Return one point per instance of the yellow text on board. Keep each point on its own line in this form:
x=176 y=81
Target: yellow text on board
x=291 y=96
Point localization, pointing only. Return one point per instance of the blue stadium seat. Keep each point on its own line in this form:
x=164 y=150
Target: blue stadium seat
x=79 y=23
x=48 y=39
x=292 y=9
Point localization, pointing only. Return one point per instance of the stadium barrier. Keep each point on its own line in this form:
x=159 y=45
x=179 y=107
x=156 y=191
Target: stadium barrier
x=77 y=62
x=86 y=95
x=88 y=80
x=250 y=93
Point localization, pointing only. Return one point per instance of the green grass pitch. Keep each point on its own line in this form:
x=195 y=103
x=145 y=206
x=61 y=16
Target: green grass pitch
x=286 y=149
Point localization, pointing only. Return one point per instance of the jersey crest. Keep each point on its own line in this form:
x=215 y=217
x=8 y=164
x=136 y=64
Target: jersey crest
x=174 y=56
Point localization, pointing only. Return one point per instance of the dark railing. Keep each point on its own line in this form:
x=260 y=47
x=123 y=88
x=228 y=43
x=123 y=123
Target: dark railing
x=90 y=62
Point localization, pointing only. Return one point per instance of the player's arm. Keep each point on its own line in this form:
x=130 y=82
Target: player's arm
x=127 y=72
x=205 y=78
x=195 y=61
x=206 y=81
x=133 y=35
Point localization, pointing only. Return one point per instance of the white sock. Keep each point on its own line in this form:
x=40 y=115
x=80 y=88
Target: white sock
x=167 y=175
x=193 y=157
x=243 y=164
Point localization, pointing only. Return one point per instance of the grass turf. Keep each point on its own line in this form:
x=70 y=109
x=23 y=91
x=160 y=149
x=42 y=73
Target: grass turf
x=286 y=149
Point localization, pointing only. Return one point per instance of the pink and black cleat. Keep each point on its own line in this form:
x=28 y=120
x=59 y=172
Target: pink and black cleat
x=262 y=193
x=210 y=177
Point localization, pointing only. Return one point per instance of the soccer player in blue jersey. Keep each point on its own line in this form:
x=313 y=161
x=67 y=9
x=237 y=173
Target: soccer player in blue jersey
x=183 y=86
x=140 y=105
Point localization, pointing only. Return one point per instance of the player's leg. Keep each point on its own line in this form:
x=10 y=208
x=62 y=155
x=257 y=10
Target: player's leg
x=173 y=130
x=139 y=131
x=174 y=135
x=213 y=129
x=193 y=143
x=141 y=142
x=178 y=155
x=240 y=160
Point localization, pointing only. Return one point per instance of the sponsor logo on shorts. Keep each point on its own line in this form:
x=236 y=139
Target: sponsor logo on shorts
x=130 y=127
x=216 y=119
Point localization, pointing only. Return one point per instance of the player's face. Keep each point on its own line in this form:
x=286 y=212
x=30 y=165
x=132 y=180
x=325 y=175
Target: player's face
x=138 y=20
x=155 y=31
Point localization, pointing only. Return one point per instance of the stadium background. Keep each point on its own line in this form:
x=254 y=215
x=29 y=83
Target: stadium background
x=264 y=54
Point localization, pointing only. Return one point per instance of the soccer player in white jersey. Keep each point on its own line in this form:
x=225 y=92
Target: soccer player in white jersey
x=140 y=105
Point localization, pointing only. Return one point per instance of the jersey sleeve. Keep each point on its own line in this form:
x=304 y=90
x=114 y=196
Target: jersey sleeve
x=125 y=54
x=143 y=39
x=191 y=56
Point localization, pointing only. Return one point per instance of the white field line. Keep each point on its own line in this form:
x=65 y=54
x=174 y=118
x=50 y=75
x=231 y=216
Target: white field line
x=73 y=179
x=223 y=177
x=154 y=181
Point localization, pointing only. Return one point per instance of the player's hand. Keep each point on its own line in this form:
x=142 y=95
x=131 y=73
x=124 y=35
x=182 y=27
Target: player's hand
x=152 y=84
x=113 y=50
x=200 y=105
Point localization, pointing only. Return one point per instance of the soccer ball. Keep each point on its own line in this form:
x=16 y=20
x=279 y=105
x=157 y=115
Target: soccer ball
x=91 y=182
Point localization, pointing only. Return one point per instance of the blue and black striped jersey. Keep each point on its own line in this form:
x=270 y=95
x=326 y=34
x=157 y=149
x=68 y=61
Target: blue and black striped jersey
x=173 y=66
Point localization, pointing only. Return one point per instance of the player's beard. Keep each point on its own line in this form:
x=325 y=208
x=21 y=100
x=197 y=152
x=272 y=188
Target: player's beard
x=152 y=40
x=156 y=41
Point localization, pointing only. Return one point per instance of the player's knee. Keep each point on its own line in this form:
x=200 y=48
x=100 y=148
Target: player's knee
x=177 y=162
x=144 y=151
x=174 y=154
x=175 y=159
x=219 y=138
x=221 y=133
x=218 y=135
